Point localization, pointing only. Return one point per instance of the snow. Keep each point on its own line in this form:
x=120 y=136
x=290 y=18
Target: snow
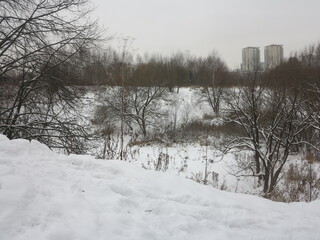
x=45 y=195
x=185 y=159
x=189 y=160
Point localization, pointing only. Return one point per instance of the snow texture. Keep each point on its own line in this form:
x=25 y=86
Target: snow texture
x=44 y=195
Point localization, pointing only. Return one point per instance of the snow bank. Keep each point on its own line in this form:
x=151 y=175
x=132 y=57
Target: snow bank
x=44 y=195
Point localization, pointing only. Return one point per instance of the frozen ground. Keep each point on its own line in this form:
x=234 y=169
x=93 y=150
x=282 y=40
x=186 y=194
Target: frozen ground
x=44 y=195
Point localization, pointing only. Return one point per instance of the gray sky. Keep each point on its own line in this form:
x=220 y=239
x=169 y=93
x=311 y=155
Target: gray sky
x=227 y=26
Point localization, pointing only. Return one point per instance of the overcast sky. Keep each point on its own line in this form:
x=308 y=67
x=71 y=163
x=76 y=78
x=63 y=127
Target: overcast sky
x=200 y=26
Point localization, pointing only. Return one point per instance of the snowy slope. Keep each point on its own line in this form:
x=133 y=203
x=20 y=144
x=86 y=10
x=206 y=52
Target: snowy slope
x=44 y=195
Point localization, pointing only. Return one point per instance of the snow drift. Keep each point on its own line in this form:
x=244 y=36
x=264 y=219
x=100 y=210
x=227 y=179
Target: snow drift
x=44 y=195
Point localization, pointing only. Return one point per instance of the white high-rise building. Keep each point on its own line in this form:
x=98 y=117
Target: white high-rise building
x=250 y=59
x=273 y=56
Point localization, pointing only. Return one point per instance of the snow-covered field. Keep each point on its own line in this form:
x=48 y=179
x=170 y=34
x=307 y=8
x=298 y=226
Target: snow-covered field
x=44 y=195
x=193 y=161
x=186 y=158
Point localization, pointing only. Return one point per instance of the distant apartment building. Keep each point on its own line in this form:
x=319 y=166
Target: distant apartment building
x=250 y=59
x=273 y=56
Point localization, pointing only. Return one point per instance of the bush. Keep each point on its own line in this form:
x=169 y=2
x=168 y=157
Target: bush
x=300 y=183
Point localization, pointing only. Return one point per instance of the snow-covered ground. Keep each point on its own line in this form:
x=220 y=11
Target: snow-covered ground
x=193 y=161
x=44 y=195
x=187 y=157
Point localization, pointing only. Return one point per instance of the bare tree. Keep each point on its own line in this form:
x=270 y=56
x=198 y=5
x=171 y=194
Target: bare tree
x=144 y=101
x=145 y=106
x=113 y=109
x=214 y=72
x=271 y=119
x=311 y=60
x=39 y=40
x=246 y=108
x=136 y=103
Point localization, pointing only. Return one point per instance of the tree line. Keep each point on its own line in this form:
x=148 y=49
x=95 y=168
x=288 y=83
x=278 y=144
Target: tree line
x=98 y=67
